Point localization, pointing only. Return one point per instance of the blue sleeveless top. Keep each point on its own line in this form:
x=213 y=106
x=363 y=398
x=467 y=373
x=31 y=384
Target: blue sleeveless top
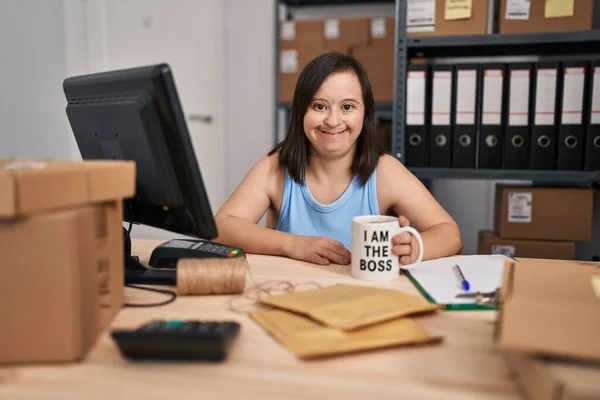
x=301 y=214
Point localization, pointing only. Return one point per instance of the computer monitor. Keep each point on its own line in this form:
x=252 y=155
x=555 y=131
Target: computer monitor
x=135 y=114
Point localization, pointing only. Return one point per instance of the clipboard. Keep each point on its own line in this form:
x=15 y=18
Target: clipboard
x=437 y=282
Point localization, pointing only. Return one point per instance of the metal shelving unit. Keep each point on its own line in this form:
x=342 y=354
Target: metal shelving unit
x=542 y=45
x=506 y=44
x=575 y=178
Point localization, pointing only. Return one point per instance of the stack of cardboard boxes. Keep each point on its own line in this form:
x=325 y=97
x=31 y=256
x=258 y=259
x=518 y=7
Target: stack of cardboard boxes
x=61 y=246
x=539 y=222
x=371 y=40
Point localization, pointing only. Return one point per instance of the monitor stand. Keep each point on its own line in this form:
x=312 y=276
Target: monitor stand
x=138 y=273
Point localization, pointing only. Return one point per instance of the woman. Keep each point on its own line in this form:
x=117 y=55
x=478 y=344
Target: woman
x=330 y=168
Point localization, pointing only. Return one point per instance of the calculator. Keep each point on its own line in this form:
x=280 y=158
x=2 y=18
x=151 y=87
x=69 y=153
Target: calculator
x=166 y=254
x=190 y=340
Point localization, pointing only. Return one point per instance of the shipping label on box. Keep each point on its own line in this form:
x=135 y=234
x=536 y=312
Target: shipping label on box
x=420 y=16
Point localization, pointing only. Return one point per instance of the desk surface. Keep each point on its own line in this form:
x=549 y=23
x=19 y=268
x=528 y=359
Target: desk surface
x=464 y=366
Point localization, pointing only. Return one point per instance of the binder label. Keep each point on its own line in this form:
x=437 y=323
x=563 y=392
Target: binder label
x=545 y=97
x=442 y=92
x=492 y=97
x=519 y=98
x=573 y=95
x=415 y=98
x=519 y=207
x=517 y=9
x=595 y=118
x=465 y=97
x=420 y=16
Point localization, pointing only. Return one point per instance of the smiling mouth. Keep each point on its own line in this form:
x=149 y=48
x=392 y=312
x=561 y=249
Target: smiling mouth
x=332 y=133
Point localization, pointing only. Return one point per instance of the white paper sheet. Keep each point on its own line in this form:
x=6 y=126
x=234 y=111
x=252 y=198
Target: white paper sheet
x=438 y=278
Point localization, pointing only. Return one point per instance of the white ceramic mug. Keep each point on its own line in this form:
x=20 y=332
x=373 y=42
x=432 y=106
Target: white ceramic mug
x=372 y=257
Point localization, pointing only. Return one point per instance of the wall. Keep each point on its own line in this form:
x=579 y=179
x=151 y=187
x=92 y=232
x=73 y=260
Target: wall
x=250 y=85
x=34 y=64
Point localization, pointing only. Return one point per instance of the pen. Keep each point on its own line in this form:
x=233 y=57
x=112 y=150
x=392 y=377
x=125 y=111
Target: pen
x=464 y=283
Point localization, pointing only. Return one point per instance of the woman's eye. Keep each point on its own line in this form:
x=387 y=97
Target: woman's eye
x=319 y=107
x=347 y=107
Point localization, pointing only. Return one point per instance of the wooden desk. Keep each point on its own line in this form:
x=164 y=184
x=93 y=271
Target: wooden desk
x=464 y=366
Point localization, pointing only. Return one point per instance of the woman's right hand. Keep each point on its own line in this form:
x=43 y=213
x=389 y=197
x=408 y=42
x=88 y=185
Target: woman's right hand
x=320 y=250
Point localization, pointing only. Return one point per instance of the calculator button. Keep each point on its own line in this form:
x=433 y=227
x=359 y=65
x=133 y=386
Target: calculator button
x=152 y=326
x=222 y=328
x=202 y=328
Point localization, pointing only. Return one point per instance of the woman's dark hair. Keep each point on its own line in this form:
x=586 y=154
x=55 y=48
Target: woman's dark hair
x=294 y=150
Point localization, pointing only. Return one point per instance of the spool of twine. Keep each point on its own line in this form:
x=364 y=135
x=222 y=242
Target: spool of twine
x=211 y=276
x=226 y=276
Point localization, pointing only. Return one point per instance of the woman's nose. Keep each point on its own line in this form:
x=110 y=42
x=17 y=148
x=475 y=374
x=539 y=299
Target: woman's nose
x=333 y=119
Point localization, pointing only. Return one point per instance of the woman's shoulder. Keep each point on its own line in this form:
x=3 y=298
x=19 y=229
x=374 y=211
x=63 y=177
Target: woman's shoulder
x=268 y=166
x=271 y=172
x=389 y=165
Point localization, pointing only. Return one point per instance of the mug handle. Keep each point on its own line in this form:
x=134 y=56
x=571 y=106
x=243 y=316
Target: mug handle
x=417 y=235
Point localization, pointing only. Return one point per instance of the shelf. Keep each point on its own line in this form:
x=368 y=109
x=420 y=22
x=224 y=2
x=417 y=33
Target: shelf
x=380 y=107
x=313 y=3
x=506 y=44
x=576 y=178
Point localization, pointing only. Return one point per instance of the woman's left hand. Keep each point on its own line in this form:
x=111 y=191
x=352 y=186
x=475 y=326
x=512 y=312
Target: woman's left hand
x=404 y=245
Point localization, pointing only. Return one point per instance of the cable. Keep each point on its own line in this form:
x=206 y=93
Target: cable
x=172 y=294
x=129 y=229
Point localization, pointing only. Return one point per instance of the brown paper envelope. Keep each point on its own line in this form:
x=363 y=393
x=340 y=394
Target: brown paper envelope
x=351 y=307
x=309 y=339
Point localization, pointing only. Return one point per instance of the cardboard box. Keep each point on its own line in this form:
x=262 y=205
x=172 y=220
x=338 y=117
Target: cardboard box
x=489 y=243
x=302 y=41
x=549 y=307
x=61 y=246
x=378 y=58
x=543 y=213
x=30 y=186
x=299 y=43
x=342 y=34
x=542 y=379
x=476 y=25
x=582 y=18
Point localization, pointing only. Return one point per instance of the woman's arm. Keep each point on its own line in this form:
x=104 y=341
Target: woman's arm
x=400 y=190
x=238 y=218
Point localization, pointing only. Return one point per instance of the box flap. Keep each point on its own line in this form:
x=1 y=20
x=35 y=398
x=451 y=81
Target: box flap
x=550 y=307
x=555 y=280
x=109 y=180
x=28 y=185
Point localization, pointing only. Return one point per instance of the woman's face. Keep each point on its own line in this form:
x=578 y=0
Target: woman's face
x=334 y=117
